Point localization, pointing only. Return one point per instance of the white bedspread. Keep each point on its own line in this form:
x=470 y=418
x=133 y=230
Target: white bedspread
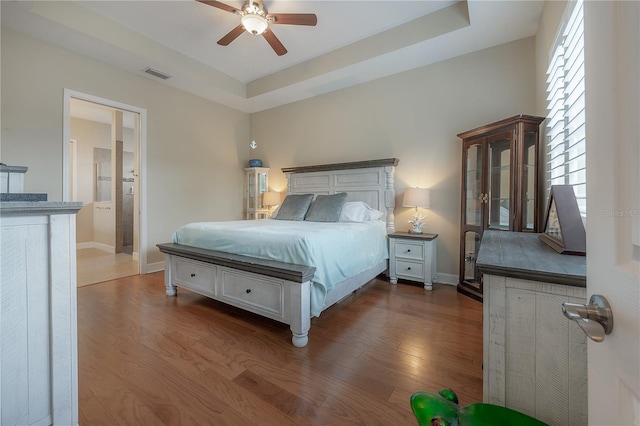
x=337 y=250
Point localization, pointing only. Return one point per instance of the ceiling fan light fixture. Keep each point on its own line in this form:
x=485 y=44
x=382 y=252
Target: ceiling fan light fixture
x=254 y=23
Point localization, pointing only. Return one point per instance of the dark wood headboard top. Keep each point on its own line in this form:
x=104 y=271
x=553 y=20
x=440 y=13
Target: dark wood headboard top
x=342 y=166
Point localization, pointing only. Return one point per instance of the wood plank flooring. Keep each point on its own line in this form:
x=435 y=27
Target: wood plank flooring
x=149 y=359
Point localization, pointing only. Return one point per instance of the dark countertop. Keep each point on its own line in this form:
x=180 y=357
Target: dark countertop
x=523 y=255
x=411 y=236
x=13 y=169
x=22 y=196
x=32 y=208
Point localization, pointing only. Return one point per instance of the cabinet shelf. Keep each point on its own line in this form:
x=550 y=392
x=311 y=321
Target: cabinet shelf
x=499 y=188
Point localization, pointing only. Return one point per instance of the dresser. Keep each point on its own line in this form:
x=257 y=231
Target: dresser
x=535 y=359
x=38 y=324
x=412 y=257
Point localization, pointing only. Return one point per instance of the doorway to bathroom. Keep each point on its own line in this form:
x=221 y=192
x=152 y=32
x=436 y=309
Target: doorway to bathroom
x=104 y=172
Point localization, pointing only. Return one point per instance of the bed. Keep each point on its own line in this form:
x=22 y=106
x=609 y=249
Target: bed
x=238 y=265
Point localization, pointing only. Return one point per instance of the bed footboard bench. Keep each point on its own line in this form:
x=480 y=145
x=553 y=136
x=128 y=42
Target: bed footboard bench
x=276 y=290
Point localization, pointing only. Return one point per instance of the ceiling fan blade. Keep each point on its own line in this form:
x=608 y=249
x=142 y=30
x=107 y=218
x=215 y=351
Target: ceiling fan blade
x=220 y=5
x=293 y=18
x=273 y=41
x=231 y=35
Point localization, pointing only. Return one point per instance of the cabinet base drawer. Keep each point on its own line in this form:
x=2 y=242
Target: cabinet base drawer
x=195 y=275
x=410 y=270
x=256 y=295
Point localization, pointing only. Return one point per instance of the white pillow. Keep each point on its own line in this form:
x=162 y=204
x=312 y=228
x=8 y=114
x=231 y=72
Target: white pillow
x=358 y=211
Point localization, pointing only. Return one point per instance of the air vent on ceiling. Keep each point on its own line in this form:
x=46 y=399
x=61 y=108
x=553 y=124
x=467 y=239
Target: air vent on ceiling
x=156 y=73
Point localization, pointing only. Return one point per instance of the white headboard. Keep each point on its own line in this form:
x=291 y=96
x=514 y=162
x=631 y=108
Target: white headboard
x=369 y=181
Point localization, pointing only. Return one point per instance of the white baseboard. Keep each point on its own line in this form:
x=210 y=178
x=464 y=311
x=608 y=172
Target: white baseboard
x=105 y=247
x=154 y=267
x=99 y=246
x=448 y=279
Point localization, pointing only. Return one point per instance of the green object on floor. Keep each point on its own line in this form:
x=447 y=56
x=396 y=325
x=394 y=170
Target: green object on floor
x=442 y=409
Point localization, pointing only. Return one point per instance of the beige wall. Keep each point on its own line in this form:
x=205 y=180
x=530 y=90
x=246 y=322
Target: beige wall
x=196 y=149
x=413 y=116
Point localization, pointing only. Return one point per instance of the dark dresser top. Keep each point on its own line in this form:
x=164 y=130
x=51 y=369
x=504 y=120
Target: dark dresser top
x=411 y=236
x=523 y=255
x=22 y=196
x=33 y=208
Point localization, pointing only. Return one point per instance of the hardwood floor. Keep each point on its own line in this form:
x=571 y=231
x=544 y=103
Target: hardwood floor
x=149 y=359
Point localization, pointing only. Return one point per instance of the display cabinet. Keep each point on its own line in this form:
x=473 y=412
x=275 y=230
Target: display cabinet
x=257 y=183
x=500 y=188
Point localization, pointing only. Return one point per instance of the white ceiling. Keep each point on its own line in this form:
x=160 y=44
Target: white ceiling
x=354 y=41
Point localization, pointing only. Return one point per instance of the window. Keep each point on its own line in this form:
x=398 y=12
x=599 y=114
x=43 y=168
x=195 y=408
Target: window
x=566 y=156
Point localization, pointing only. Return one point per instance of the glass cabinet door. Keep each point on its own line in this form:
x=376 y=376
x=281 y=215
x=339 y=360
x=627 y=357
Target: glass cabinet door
x=262 y=188
x=529 y=187
x=473 y=185
x=499 y=183
x=251 y=192
x=471 y=247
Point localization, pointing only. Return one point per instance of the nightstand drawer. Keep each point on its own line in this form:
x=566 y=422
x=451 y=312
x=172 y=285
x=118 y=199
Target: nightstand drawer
x=410 y=270
x=410 y=251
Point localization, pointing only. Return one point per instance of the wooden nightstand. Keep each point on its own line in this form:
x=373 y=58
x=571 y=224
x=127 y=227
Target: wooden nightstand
x=412 y=257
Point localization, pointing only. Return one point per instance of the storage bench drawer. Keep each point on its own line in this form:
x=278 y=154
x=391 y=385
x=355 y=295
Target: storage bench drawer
x=256 y=294
x=195 y=275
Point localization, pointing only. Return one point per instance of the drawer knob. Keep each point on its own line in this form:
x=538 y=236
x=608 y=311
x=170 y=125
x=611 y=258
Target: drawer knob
x=193 y=275
x=408 y=268
x=408 y=250
x=248 y=290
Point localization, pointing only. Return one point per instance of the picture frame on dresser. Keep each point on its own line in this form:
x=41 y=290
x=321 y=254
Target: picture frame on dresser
x=563 y=228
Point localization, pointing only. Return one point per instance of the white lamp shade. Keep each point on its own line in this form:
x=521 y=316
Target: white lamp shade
x=271 y=199
x=253 y=23
x=417 y=197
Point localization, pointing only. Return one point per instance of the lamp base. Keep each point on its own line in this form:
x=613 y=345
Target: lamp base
x=415 y=230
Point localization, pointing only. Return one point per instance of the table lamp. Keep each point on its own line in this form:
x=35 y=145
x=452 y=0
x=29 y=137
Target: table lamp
x=270 y=199
x=417 y=197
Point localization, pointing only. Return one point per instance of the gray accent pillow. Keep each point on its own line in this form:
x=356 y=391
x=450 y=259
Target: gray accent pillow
x=326 y=208
x=294 y=207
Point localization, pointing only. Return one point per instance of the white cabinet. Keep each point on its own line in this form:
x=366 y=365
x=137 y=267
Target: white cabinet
x=39 y=368
x=12 y=178
x=535 y=359
x=257 y=183
x=412 y=257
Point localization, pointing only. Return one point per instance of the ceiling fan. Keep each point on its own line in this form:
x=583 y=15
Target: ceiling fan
x=255 y=19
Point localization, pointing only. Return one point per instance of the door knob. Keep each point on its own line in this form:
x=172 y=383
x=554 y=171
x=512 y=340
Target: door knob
x=595 y=319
